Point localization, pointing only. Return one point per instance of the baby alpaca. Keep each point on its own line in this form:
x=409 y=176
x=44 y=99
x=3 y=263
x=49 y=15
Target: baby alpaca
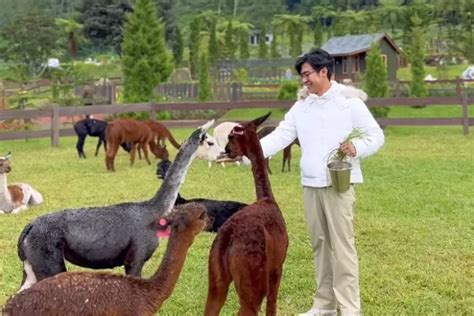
x=218 y=212
x=85 y=293
x=16 y=197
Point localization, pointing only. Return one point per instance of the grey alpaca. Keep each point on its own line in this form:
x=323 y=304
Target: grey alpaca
x=102 y=237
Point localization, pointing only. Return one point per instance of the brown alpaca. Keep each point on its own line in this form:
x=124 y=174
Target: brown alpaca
x=134 y=132
x=251 y=246
x=264 y=131
x=162 y=133
x=85 y=293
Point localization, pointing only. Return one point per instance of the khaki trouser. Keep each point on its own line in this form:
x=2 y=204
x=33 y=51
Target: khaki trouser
x=329 y=216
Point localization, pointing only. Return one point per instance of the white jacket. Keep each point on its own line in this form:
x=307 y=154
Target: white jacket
x=321 y=123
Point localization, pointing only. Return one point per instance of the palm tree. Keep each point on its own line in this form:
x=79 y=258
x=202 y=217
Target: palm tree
x=294 y=26
x=390 y=13
x=72 y=30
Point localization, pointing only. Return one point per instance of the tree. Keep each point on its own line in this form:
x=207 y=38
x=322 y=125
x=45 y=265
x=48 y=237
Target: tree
x=30 y=41
x=244 y=44
x=205 y=93
x=229 y=44
x=274 y=47
x=177 y=47
x=294 y=26
x=417 y=60
x=376 y=79
x=71 y=33
x=262 y=43
x=213 y=50
x=103 y=21
x=194 y=44
x=146 y=61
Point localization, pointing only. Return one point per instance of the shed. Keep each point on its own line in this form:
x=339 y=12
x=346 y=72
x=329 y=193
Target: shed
x=350 y=51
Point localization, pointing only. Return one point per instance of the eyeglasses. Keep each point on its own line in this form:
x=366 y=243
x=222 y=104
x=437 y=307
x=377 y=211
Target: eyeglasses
x=307 y=74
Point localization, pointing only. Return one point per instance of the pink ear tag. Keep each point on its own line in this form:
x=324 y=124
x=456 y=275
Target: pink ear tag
x=163 y=233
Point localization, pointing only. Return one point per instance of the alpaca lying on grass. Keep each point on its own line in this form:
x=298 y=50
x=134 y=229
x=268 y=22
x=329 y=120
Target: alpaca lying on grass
x=16 y=197
x=218 y=212
x=85 y=293
x=250 y=248
x=102 y=237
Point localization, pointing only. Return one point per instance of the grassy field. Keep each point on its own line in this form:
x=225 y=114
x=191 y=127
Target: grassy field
x=414 y=219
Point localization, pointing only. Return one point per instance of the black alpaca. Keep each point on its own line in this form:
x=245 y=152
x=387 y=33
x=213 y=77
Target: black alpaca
x=102 y=237
x=94 y=128
x=217 y=211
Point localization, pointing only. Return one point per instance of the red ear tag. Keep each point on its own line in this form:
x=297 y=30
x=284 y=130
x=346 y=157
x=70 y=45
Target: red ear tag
x=165 y=232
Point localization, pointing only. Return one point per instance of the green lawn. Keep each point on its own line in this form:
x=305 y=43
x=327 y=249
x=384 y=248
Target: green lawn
x=414 y=219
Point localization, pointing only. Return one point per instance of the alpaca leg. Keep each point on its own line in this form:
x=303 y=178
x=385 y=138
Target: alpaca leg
x=80 y=146
x=251 y=287
x=41 y=262
x=133 y=153
x=98 y=145
x=274 y=285
x=217 y=292
x=209 y=164
x=19 y=209
x=134 y=262
x=110 y=156
x=144 y=146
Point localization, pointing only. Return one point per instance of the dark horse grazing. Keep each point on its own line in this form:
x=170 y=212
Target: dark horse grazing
x=134 y=132
x=93 y=128
x=250 y=248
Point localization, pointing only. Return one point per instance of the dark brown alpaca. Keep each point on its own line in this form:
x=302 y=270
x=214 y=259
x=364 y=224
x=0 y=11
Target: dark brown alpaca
x=251 y=246
x=264 y=131
x=161 y=133
x=85 y=293
x=134 y=132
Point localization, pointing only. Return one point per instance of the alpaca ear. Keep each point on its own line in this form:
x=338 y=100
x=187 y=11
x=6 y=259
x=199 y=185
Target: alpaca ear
x=8 y=156
x=261 y=119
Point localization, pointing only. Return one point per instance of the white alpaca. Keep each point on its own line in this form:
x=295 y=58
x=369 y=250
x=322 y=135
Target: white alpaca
x=16 y=197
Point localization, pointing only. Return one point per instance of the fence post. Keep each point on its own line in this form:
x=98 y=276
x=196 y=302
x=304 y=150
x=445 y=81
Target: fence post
x=152 y=112
x=465 y=113
x=55 y=126
x=235 y=91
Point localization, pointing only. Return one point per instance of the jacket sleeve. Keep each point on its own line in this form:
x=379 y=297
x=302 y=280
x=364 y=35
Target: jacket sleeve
x=282 y=136
x=363 y=119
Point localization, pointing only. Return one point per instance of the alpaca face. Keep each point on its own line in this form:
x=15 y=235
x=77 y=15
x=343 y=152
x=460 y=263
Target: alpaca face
x=237 y=138
x=188 y=219
x=5 y=165
x=160 y=152
x=161 y=168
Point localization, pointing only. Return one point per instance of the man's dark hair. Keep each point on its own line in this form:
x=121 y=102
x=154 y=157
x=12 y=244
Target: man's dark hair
x=317 y=59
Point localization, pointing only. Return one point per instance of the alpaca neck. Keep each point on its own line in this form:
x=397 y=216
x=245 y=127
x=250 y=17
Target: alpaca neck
x=5 y=197
x=161 y=285
x=260 y=172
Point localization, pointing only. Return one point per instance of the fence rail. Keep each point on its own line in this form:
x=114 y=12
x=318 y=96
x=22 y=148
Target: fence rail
x=55 y=112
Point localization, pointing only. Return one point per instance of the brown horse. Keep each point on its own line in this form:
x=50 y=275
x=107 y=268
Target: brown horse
x=162 y=133
x=134 y=132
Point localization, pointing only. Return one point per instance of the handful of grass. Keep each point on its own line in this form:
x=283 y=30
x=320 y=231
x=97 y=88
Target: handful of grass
x=337 y=154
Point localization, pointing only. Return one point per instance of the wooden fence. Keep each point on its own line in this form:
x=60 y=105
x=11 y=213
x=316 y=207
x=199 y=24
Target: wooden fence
x=55 y=112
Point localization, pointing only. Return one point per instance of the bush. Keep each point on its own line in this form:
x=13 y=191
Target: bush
x=288 y=90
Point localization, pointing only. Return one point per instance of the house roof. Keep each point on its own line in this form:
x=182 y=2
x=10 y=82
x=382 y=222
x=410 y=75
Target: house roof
x=353 y=44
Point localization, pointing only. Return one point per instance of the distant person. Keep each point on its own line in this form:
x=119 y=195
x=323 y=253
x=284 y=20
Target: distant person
x=288 y=74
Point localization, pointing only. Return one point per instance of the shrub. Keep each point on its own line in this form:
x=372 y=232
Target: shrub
x=288 y=90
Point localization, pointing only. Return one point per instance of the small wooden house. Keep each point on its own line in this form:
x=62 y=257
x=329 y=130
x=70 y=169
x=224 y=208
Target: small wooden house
x=349 y=53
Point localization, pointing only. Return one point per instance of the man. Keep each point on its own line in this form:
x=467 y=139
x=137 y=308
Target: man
x=321 y=121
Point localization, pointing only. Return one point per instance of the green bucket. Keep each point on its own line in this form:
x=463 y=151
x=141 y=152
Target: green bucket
x=340 y=172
